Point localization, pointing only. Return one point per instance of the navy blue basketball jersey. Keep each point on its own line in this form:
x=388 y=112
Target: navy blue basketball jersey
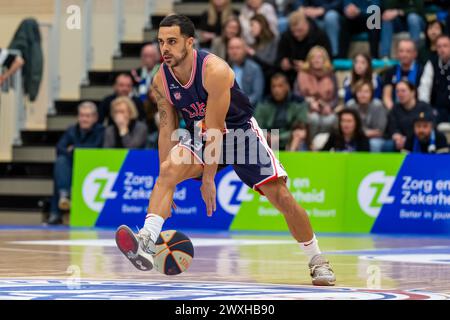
x=191 y=99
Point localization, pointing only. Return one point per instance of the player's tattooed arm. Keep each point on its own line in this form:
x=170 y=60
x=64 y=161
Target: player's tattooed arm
x=168 y=119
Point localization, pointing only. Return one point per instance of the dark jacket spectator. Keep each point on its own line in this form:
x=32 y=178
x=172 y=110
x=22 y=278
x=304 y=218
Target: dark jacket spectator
x=75 y=137
x=281 y=109
x=248 y=73
x=356 y=17
x=297 y=41
x=435 y=82
x=125 y=131
x=350 y=136
x=408 y=69
x=87 y=133
x=123 y=87
x=326 y=14
x=408 y=13
x=425 y=138
x=401 y=117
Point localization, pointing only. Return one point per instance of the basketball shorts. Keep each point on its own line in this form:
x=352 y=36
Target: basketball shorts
x=247 y=150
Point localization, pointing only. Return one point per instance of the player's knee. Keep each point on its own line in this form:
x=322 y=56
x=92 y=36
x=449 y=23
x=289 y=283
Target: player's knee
x=166 y=174
x=283 y=197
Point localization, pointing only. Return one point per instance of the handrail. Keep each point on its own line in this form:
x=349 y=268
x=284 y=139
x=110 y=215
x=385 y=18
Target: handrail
x=16 y=118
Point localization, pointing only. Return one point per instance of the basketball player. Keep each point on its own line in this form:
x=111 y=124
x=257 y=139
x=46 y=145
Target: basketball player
x=203 y=88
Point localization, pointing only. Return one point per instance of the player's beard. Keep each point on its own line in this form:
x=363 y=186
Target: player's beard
x=177 y=62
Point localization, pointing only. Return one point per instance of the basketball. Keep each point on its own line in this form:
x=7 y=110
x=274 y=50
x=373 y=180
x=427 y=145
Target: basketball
x=174 y=252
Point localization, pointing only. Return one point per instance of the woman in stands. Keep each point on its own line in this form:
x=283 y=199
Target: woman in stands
x=372 y=112
x=362 y=70
x=126 y=131
x=316 y=82
x=211 y=20
x=264 y=50
x=350 y=136
x=231 y=29
x=427 y=50
x=300 y=139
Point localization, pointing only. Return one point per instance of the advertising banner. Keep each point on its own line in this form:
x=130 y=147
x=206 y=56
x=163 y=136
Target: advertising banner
x=341 y=192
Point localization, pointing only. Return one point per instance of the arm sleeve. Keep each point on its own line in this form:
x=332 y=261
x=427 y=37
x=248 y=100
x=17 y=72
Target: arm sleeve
x=63 y=143
x=426 y=83
x=108 y=139
x=137 y=138
x=380 y=119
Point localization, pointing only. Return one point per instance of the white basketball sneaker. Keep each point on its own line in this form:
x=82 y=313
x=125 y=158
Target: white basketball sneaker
x=138 y=248
x=321 y=272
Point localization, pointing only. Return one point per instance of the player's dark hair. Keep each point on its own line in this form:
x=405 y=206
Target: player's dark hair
x=187 y=28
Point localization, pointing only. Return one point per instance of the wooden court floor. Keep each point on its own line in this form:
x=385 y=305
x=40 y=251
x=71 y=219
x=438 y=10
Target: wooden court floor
x=63 y=263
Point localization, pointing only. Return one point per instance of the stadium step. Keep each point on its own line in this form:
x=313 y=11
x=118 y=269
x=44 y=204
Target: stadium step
x=126 y=63
x=24 y=169
x=131 y=49
x=90 y=92
x=41 y=138
x=21 y=217
x=60 y=122
x=26 y=186
x=34 y=154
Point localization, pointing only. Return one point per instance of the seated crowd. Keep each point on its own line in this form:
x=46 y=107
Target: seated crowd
x=282 y=54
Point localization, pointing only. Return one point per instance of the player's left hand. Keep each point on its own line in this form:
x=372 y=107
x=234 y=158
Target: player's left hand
x=208 y=190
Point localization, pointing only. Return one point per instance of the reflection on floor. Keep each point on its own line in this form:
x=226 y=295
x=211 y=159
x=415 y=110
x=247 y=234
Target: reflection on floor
x=55 y=263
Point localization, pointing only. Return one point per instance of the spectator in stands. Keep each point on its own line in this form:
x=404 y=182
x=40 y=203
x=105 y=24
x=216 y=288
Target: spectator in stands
x=427 y=50
x=231 y=29
x=435 y=82
x=316 y=82
x=281 y=110
x=142 y=77
x=300 y=139
x=356 y=17
x=123 y=87
x=12 y=62
x=326 y=15
x=425 y=138
x=350 y=136
x=248 y=73
x=211 y=20
x=87 y=133
x=372 y=112
x=408 y=69
x=251 y=8
x=402 y=115
x=264 y=50
x=397 y=16
x=125 y=131
x=295 y=43
x=362 y=70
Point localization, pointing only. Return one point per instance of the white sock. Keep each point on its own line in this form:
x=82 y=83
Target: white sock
x=310 y=248
x=153 y=225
